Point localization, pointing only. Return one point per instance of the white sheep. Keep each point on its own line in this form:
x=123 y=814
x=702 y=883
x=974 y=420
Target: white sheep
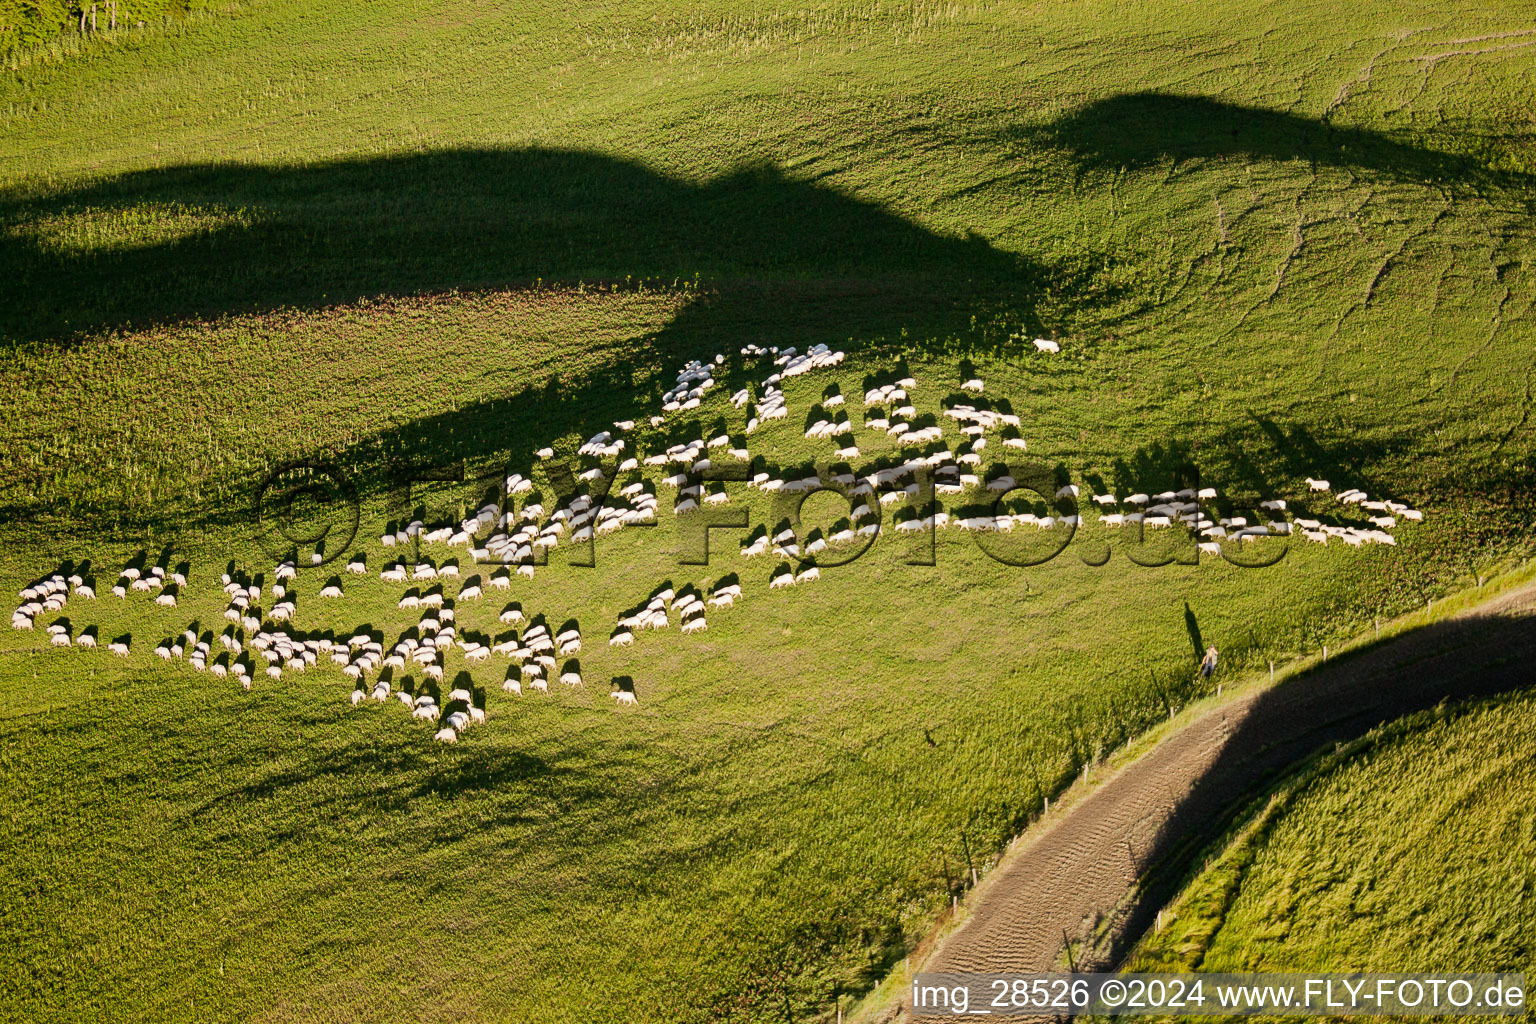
x=1047 y=345
x=1317 y=485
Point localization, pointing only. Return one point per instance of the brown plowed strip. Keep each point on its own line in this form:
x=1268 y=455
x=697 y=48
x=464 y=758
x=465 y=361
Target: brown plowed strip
x=1119 y=853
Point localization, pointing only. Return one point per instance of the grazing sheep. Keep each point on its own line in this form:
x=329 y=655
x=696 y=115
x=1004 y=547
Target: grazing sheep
x=974 y=386
x=331 y=591
x=1317 y=485
x=446 y=735
x=625 y=696
x=1047 y=345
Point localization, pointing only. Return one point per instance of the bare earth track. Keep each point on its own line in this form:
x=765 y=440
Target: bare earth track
x=1118 y=855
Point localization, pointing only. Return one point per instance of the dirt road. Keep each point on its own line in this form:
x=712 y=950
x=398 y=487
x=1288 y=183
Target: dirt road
x=1117 y=854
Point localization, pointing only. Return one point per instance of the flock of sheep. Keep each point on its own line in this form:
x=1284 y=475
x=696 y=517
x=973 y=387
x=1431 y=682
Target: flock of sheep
x=518 y=538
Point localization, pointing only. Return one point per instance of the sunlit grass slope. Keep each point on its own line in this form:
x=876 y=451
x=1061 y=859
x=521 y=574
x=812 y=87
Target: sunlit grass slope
x=1274 y=242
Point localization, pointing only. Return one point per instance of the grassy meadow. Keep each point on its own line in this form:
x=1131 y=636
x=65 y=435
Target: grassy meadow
x=1273 y=241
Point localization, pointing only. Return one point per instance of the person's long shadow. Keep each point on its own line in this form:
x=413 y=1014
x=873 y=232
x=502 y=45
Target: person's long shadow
x=207 y=240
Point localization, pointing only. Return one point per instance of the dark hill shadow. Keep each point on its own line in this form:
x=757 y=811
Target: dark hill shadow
x=1139 y=129
x=257 y=238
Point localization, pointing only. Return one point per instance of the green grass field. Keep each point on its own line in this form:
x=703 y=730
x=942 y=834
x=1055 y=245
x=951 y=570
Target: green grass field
x=1274 y=242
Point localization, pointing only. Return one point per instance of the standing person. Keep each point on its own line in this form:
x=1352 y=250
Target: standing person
x=1208 y=663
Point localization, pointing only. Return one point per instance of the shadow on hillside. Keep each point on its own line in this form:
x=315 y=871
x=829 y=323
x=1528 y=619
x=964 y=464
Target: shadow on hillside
x=1448 y=661
x=201 y=241
x=781 y=262
x=1135 y=130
